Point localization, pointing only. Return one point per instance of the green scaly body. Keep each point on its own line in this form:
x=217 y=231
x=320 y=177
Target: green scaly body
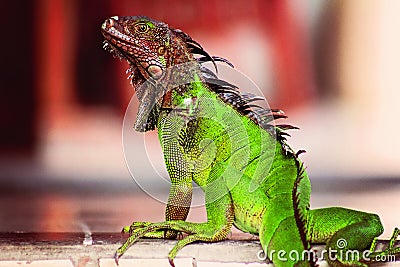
x=210 y=135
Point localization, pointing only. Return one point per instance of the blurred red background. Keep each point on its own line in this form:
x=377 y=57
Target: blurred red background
x=55 y=62
x=331 y=65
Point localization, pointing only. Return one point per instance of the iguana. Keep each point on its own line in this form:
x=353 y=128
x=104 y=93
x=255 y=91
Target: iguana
x=217 y=137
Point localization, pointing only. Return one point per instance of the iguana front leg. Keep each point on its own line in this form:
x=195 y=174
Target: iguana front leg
x=178 y=207
x=220 y=216
x=180 y=172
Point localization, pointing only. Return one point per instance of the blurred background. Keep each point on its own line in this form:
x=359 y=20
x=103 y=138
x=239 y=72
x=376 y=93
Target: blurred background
x=332 y=65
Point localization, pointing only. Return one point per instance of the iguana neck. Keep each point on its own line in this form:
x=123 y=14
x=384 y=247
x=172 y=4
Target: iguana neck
x=181 y=60
x=185 y=97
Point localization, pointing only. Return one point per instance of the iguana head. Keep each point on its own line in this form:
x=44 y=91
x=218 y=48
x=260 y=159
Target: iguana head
x=149 y=46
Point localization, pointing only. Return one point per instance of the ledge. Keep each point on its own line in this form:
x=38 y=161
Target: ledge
x=97 y=249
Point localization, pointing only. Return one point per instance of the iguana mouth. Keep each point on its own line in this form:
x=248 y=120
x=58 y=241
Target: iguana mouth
x=120 y=46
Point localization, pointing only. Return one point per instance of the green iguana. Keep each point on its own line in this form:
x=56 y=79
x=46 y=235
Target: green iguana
x=212 y=134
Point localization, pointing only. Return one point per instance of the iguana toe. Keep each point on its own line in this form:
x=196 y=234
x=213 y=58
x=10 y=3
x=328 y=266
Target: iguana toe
x=116 y=257
x=171 y=262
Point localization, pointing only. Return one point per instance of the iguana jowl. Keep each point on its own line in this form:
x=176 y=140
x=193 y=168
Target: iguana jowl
x=214 y=135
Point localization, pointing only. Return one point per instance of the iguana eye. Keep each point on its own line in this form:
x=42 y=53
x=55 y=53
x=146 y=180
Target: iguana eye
x=161 y=50
x=141 y=27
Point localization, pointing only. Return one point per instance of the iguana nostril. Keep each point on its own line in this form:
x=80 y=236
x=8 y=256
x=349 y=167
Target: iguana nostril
x=110 y=22
x=107 y=24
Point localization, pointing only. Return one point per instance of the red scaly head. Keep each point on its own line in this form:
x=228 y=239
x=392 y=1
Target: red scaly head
x=149 y=46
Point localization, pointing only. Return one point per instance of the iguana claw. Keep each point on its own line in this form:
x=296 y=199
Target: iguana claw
x=171 y=262
x=116 y=258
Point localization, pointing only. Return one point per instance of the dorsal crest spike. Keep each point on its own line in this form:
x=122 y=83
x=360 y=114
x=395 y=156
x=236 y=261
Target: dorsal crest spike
x=194 y=47
x=299 y=215
x=229 y=93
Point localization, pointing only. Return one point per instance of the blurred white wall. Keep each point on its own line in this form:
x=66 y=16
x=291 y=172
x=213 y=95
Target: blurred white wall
x=356 y=134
